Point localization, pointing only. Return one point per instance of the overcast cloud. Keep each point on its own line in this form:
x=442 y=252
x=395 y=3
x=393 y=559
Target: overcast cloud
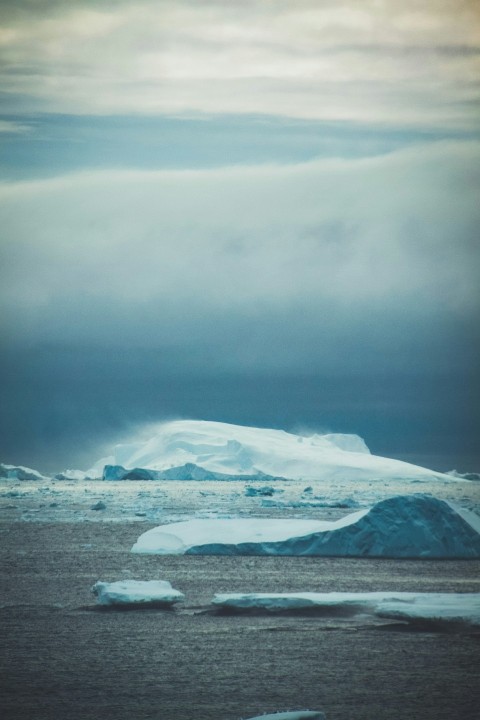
x=258 y=212
x=394 y=62
x=360 y=236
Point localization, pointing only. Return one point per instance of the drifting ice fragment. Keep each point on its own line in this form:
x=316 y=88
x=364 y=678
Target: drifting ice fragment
x=440 y=607
x=136 y=592
x=293 y=715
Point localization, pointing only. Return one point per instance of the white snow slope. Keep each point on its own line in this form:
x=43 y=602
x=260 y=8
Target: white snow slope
x=136 y=592
x=237 y=450
x=442 y=607
x=410 y=526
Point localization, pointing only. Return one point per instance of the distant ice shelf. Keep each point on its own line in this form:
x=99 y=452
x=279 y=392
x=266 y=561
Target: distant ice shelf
x=292 y=715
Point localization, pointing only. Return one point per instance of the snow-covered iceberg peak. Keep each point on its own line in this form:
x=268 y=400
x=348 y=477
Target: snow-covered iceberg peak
x=237 y=450
x=409 y=526
x=445 y=608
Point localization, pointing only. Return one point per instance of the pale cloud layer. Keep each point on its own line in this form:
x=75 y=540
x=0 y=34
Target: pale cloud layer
x=401 y=63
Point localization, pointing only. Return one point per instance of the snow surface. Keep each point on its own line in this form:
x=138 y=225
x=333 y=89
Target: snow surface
x=410 y=526
x=136 y=592
x=236 y=450
x=293 y=715
x=446 y=607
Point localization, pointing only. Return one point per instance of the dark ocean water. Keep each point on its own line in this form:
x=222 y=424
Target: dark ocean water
x=62 y=658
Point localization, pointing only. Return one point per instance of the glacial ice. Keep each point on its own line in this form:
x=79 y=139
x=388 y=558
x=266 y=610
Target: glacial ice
x=293 y=715
x=222 y=451
x=441 y=607
x=408 y=526
x=136 y=592
x=189 y=471
x=18 y=472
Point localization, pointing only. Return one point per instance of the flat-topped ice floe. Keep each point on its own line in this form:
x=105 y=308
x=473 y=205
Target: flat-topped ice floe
x=433 y=607
x=136 y=592
x=408 y=526
x=196 y=448
x=293 y=715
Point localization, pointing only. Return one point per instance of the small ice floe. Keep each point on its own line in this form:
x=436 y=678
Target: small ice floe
x=293 y=715
x=100 y=505
x=459 y=608
x=158 y=593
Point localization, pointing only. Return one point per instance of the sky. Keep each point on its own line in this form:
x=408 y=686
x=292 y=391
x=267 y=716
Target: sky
x=259 y=212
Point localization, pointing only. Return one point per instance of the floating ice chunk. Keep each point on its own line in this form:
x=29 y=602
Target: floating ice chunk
x=264 y=490
x=293 y=715
x=100 y=505
x=179 y=538
x=410 y=526
x=136 y=592
x=440 y=607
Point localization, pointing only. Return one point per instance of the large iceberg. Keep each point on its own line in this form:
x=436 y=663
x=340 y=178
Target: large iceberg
x=234 y=450
x=293 y=715
x=408 y=526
